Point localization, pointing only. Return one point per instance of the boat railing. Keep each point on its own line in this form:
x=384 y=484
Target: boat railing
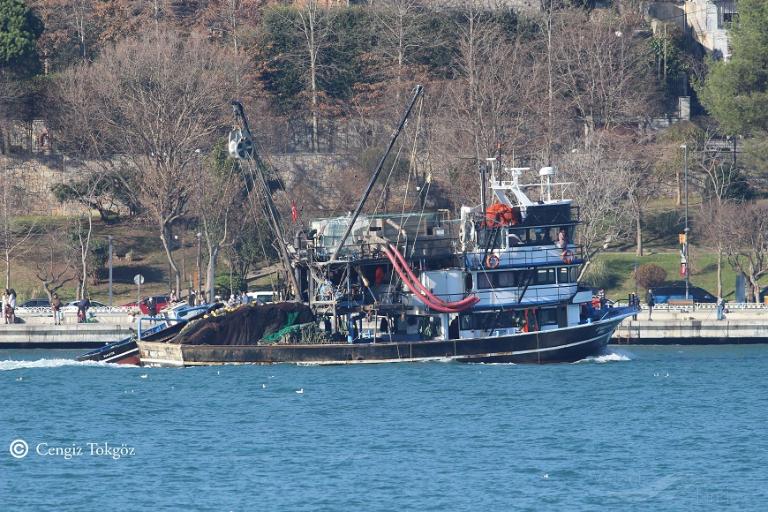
x=525 y=256
x=421 y=247
x=160 y=322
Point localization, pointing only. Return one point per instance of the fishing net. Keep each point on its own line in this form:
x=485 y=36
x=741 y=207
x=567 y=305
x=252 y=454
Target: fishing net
x=246 y=325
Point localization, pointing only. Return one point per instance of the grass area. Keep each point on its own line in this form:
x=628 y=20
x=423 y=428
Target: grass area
x=620 y=266
x=147 y=258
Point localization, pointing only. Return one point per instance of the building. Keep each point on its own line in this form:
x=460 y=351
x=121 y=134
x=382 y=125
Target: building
x=709 y=22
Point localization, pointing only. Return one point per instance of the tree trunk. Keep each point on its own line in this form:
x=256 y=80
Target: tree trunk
x=165 y=237
x=84 y=248
x=719 y=271
x=7 y=269
x=313 y=72
x=639 y=229
x=213 y=256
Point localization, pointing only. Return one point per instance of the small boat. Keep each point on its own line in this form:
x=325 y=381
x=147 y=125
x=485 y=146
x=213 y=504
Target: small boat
x=164 y=327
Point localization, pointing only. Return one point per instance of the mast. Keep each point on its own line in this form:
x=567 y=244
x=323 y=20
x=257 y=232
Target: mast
x=416 y=93
x=241 y=147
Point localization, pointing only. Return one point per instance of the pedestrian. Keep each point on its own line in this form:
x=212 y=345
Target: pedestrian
x=12 y=305
x=245 y=298
x=6 y=298
x=651 y=302
x=720 y=308
x=173 y=296
x=82 y=309
x=191 y=298
x=56 y=308
x=601 y=297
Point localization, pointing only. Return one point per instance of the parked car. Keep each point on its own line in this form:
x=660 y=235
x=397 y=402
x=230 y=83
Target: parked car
x=161 y=302
x=663 y=294
x=262 y=297
x=36 y=303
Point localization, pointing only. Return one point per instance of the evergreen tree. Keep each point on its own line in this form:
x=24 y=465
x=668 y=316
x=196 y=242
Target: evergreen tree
x=736 y=92
x=19 y=30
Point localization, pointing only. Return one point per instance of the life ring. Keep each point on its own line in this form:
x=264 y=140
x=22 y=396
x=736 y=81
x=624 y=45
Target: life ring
x=492 y=261
x=567 y=256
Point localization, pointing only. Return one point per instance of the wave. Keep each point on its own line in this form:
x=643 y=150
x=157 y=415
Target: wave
x=10 y=364
x=610 y=357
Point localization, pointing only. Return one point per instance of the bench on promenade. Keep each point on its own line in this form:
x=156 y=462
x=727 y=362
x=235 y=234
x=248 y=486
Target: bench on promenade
x=680 y=302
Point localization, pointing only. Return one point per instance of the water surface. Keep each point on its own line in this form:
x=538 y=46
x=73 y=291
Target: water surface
x=643 y=428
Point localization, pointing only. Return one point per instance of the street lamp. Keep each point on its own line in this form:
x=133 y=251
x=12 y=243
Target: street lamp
x=180 y=240
x=199 y=239
x=684 y=147
x=109 y=240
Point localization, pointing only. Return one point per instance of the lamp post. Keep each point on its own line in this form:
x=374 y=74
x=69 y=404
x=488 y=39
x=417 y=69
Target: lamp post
x=199 y=240
x=686 y=230
x=180 y=240
x=109 y=240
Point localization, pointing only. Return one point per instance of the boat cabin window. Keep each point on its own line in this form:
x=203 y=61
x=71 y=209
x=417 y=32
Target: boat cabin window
x=544 y=276
x=490 y=320
x=519 y=278
x=567 y=274
x=547 y=316
x=543 y=235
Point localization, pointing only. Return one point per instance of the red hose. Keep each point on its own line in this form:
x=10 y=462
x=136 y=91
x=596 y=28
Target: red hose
x=422 y=298
x=433 y=302
x=424 y=289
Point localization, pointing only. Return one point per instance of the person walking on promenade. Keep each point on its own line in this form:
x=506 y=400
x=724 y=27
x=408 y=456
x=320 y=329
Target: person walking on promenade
x=12 y=306
x=56 y=308
x=6 y=296
x=651 y=302
x=720 y=308
x=82 y=309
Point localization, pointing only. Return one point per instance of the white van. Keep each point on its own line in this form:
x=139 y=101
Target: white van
x=263 y=297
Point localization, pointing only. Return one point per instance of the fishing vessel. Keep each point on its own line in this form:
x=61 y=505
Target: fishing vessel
x=498 y=283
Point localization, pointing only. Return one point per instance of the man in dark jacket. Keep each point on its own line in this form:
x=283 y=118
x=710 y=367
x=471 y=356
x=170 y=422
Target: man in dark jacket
x=82 y=309
x=56 y=308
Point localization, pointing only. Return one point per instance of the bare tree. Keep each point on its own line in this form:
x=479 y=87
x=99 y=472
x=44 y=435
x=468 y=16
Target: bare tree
x=58 y=267
x=399 y=25
x=154 y=100
x=315 y=25
x=83 y=231
x=14 y=237
x=720 y=179
x=602 y=68
x=747 y=246
x=214 y=211
x=601 y=182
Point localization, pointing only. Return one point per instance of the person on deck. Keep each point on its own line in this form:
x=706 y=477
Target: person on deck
x=152 y=307
x=562 y=239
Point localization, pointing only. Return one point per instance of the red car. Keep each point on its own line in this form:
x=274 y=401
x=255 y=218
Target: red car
x=161 y=302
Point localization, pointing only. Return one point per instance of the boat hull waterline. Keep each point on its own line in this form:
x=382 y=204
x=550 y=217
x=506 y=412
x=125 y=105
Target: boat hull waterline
x=565 y=345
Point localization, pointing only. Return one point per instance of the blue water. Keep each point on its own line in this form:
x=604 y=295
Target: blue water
x=645 y=428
